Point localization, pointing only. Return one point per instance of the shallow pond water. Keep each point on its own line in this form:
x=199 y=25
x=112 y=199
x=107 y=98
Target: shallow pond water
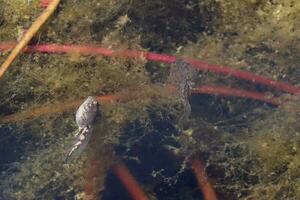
x=240 y=121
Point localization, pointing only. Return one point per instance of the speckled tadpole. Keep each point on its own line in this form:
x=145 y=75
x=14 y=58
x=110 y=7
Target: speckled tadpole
x=85 y=117
x=183 y=75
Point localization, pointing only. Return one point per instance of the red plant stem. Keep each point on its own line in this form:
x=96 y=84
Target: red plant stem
x=52 y=109
x=95 y=50
x=226 y=91
x=244 y=75
x=44 y=3
x=202 y=179
x=129 y=182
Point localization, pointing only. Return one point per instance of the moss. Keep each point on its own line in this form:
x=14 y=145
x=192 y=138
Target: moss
x=17 y=16
x=277 y=147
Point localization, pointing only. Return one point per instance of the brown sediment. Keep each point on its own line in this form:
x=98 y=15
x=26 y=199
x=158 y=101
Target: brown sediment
x=202 y=179
x=29 y=34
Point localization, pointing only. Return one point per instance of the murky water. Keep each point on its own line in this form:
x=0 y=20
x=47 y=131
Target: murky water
x=159 y=112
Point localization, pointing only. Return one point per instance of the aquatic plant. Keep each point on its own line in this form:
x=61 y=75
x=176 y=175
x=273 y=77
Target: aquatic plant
x=249 y=148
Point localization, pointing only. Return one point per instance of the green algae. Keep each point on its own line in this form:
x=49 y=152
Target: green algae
x=251 y=151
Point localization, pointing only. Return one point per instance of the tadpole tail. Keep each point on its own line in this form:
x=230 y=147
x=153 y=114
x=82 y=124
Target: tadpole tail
x=78 y=145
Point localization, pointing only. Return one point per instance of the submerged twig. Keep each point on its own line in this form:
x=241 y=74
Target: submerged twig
x=58 y=108
x=129 y=182
x=202 y=179
x=50 y=109
x=29 y=34
x=234 y=92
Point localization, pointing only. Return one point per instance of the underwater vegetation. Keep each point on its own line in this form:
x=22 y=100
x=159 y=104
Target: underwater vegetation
x=241 y=134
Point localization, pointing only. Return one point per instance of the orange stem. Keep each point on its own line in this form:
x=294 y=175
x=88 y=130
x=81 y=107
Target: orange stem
x=129 y=182
x=71 y=105
x=202 y=179
x=51 y=109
